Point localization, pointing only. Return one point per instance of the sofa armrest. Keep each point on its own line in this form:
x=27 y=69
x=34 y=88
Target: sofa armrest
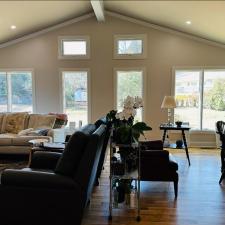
x=36 y=179
x=44 y=160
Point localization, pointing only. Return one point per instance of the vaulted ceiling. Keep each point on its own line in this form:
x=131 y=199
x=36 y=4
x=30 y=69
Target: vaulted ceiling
x=207 y=18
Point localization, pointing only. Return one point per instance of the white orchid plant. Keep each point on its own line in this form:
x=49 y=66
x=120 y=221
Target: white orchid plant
x=123 y=121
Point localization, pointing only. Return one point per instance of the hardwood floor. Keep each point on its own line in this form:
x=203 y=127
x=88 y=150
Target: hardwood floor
x=201 y=200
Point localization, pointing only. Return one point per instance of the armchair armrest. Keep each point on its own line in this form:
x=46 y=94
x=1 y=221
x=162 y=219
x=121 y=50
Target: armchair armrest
x=37 y=179
x=44 y=160
x=151 y=145
x=172 y=162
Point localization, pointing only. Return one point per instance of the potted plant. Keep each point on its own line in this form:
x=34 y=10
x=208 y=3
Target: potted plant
x=126 y=131
x=178 y=123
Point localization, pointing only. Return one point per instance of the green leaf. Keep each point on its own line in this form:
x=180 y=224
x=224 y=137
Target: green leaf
x=141 y=126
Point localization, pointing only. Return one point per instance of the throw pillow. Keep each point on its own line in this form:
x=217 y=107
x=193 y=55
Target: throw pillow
x=14 y=122
x=38 y=132
x=25 y=132
x=39 y=121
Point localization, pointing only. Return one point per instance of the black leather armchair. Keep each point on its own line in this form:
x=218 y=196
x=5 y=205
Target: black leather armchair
x=57 y=187
x=220 y=129
x=157 y=164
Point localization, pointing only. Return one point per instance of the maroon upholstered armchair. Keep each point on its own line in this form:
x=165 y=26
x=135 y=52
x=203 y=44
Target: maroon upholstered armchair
x=157 y=164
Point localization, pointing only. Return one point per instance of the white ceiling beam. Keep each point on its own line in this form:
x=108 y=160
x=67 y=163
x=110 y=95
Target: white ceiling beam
x=98 y=8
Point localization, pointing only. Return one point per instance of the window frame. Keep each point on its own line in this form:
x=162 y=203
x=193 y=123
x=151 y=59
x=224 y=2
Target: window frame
x=61 y=39
x=119 y=37
x=9 y=88
x=201 y=69
x=144 y=87
x=61 y=97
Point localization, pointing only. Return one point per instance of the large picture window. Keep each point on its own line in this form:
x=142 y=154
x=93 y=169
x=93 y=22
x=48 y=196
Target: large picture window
x=75 y=93
x=129 y=82
x=16 y=91
x=200 y=97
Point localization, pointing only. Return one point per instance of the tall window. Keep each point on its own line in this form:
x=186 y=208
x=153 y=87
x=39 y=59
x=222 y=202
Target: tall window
x=16 y=91
x=75 y=95
x=200 y=97
x=129 y=82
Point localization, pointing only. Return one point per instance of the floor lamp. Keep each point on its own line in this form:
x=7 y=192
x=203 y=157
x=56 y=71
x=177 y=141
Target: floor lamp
x=169 y=103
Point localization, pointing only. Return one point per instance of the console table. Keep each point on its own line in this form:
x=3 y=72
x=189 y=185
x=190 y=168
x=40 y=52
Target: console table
x=183 y=128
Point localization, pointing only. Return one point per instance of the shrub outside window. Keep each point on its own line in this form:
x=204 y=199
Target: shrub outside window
x=16 y=91
x=200 y=95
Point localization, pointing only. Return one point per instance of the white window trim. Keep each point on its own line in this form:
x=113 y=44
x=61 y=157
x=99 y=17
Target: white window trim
x=144 y=85
x=61 y=70
x=73 y=38
x=20 y=70
x=142 y=37
x=201 y=69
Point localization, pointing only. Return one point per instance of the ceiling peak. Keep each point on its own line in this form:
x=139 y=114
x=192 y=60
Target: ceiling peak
x=98 y=7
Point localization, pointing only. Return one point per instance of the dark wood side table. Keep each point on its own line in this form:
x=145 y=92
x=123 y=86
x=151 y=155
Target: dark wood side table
x=183 y=128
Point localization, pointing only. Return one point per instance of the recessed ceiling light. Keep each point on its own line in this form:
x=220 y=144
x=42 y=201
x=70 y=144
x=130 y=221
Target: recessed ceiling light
x=188 y=22
x=13 y=27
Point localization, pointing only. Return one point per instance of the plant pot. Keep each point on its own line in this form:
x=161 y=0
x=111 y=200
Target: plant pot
x=129 y=157
x=178 y=123
x=121 y=194
x=122 y=135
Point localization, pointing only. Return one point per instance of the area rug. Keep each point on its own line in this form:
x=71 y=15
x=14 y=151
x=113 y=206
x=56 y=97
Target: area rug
x=12 y=164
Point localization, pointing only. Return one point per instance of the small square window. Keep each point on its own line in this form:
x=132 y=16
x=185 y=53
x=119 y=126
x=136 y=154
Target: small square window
x=74 y=47
x=130 y=46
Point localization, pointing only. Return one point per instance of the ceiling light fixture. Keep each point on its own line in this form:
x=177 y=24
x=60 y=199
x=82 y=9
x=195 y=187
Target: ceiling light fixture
x=13 y=27
x=188 y=22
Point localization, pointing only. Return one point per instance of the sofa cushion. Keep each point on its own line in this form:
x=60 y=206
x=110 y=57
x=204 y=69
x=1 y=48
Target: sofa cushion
x=13 y=122
x=6 y=139
x=38 y=121
x=9 y=139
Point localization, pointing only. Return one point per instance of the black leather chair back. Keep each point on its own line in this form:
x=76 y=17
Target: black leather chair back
x=70 y=159
x=220 y=129
x=98 y=123
x=87 y=169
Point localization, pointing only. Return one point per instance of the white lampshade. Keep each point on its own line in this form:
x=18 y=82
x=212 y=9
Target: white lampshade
x=168 y=102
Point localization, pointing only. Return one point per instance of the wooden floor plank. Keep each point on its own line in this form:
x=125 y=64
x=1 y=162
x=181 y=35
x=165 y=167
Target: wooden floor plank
x=201 y=200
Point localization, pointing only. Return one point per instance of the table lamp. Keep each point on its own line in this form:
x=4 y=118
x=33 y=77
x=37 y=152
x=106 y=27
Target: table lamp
x=169 y=103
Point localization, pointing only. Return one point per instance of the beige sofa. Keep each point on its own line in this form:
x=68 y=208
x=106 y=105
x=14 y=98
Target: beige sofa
x=16 y=129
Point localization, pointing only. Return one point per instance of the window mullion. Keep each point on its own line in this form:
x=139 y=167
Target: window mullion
x=201 y=96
